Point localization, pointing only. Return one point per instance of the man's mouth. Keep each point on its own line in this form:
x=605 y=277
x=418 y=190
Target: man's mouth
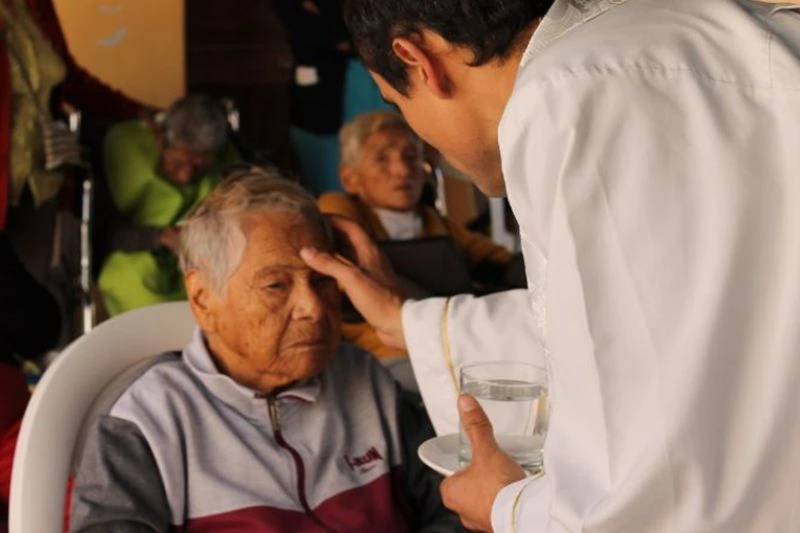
x=309 y=344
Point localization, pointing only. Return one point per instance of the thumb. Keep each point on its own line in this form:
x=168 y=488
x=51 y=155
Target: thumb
x=477 y=426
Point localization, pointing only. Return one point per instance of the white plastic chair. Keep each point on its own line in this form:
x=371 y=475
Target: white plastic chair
x=64 y=395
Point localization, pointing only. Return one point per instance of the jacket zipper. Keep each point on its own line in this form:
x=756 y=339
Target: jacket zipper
x=275 y=419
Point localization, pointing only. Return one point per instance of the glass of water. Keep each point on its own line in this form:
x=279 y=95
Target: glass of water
x=514 y=397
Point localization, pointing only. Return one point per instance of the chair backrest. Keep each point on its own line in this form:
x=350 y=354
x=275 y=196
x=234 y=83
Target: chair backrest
x=65 y=394
x=436 y=264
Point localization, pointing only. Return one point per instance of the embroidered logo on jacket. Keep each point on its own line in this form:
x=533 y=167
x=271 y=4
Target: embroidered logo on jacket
x=361 y=461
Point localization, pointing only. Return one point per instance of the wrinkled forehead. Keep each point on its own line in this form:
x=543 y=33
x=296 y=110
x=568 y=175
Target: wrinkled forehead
x=391 y=136
x=285 y=232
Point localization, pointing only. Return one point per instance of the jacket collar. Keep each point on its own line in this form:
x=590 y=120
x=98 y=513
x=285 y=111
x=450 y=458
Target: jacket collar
x=240 y=398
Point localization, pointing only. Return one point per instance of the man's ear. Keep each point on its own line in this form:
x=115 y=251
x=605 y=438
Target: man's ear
x=424 y=65
x=202 y=299
x=349 y=178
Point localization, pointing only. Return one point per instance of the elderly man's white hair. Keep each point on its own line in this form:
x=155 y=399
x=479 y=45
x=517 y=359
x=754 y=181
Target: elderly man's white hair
x=197 y=121
x=212 y=239
x=355 y=132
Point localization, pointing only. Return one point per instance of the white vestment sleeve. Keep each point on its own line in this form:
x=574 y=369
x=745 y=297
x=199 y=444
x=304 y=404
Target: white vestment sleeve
x=526 y=502
x=442 y=335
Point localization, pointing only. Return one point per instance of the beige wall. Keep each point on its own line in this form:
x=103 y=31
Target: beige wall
x=134 y=45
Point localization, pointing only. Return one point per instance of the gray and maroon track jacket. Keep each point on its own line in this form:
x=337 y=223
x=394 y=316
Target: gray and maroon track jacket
x=175 y=445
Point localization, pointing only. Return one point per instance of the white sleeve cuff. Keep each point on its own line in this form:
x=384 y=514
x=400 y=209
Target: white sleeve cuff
x=443 y=334
x=525 y=502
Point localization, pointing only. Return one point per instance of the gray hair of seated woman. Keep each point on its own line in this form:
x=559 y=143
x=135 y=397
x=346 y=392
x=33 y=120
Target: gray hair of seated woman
x=353 y=134
x=212 y=238
x=197 y=121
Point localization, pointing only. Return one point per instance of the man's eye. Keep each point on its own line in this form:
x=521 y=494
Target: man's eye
x=275 y=286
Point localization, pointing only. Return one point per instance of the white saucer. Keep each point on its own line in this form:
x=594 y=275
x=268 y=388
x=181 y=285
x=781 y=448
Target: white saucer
x=441 y=454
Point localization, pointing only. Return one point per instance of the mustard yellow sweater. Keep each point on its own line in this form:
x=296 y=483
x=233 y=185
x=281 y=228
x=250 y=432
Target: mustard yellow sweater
x=477 y=247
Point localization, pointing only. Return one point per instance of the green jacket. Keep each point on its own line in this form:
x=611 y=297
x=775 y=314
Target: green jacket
x=129 y=280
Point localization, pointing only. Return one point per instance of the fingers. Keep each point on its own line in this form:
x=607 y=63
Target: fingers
x=349 y=276
x=377 y=303
x=362 y=249
x=354 y=233
x=335 y=267
x=477 y=426
x=471 y=492
x=449 y=489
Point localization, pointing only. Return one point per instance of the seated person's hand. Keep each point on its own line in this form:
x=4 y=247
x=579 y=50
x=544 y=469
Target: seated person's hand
x=170 y=238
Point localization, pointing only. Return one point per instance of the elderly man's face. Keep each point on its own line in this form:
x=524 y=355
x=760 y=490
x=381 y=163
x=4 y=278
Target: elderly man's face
x=279 y=321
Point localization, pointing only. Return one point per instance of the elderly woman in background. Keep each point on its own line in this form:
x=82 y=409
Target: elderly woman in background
x=383 y=175
x=264 y=422
x=156 y=173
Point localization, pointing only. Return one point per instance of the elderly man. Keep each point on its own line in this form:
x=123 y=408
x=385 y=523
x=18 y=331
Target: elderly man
x=156 y=173
x=264 y=422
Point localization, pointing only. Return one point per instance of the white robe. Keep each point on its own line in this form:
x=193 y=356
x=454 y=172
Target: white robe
x=651 y=151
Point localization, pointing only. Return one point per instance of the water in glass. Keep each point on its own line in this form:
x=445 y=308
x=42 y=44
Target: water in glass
x=518 y=412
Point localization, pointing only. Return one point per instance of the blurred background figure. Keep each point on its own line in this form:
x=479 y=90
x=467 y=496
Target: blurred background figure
x=156 y=171
x=268 y=61
x=38 y=75
x=383 y=174
x=40 y=157
x=238 y=51
x=329 y=86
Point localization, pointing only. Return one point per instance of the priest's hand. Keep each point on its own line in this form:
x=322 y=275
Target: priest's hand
x=366 y=277
x=471 y=492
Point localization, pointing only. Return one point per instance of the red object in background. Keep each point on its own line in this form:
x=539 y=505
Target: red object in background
x=13 y=401
x=5 y=129
x=14 y=395
x=8 y=442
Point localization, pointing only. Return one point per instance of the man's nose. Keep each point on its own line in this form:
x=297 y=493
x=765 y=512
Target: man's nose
x=308 y=303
